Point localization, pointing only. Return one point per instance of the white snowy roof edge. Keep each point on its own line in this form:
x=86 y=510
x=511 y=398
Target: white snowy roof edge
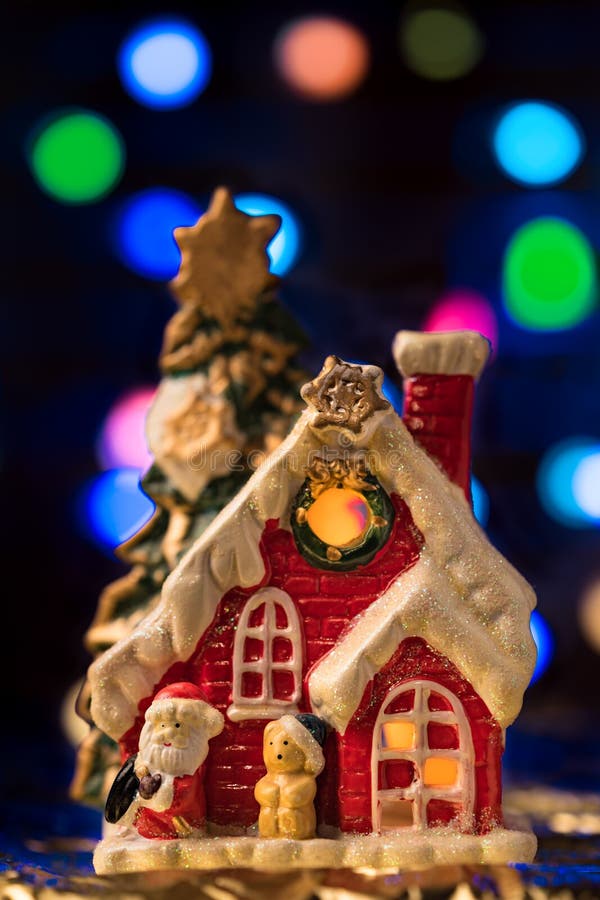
x=462 y=596
x=440 y=353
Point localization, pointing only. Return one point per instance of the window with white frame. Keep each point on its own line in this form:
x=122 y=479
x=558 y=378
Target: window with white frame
x=267 y=658
x=422 y=760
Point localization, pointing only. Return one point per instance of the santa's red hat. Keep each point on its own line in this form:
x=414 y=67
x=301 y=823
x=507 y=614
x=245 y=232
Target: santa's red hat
x=181 y=690
x=186 y=700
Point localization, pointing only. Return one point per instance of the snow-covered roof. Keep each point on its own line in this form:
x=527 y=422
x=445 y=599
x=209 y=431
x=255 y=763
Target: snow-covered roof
x=462 y=596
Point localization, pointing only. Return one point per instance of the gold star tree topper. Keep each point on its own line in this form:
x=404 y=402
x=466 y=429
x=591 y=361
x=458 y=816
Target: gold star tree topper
x=224 y=263
x=345 y=395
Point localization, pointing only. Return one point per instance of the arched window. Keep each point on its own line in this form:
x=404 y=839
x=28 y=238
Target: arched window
x=422 y=761
x=267 y=658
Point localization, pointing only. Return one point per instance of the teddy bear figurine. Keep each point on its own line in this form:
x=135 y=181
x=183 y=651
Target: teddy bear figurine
x=293 y=755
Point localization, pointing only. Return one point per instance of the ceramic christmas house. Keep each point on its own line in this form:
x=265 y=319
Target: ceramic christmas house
x=347 y=588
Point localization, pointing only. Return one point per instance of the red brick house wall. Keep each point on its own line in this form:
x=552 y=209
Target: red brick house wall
x=416 y=659
x=438 y=413
x=326 y=602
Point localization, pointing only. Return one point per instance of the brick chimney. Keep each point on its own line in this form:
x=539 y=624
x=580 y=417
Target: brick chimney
x=439 y=371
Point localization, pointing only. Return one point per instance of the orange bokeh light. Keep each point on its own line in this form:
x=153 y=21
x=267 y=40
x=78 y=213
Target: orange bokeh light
x=322 y=58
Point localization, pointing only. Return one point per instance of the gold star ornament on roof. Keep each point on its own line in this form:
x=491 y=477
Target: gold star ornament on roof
x=224 y=263
x=345 y=395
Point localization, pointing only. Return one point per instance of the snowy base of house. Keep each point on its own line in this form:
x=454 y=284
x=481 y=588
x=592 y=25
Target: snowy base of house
x=405 y=850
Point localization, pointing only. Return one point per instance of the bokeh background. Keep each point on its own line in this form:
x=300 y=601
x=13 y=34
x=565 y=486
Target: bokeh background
x=436 y=165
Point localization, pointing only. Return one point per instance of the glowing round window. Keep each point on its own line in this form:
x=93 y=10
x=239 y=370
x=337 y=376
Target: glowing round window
x=339 y=517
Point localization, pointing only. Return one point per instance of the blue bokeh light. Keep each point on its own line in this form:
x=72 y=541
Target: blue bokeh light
x=567 y=482
x=144 y=232
x=537 y=143
x=285 y=247
x=165 y=63
x=544 y=641
x=586 y=485
x=393 y=394
x=112 y=507
x=481 y=502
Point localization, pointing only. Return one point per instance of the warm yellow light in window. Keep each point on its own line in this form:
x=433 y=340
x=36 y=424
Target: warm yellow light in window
x=399 y=736
x=339 y=517
x=440 y=772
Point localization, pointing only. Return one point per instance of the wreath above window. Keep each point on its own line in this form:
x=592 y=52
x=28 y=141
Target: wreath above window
x=341 y=516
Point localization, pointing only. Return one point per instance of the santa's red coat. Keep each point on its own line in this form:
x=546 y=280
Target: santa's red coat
x=189 y=802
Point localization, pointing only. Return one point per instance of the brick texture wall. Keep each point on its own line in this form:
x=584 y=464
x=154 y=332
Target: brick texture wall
x=327 y=603
x=437 y=412
x=416 y=659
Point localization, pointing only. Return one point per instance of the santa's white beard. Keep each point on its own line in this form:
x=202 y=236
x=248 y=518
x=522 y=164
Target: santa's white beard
x=173 y=760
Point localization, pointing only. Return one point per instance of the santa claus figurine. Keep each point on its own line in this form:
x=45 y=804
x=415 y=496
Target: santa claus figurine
x=161 y=790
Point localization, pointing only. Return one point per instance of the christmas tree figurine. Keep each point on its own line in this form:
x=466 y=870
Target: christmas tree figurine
x=228 y=395
x=346 y=583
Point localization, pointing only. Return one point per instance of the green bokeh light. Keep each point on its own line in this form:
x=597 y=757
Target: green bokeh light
x=440 y=43
x=77 y=157
x=550 y=278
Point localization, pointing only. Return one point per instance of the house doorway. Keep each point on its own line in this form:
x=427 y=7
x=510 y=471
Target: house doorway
x=422 y=759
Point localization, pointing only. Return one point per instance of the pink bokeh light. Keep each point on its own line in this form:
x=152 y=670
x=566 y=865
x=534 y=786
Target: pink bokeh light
x=463 y=308
x=122 y=440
